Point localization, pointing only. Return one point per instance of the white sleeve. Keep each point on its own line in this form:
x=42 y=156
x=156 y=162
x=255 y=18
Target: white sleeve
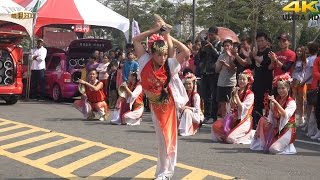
x=290 y=109
x=174 y=65
x=244 y=107
x=142 y=61
x=135 y=93
x=197 y=101
x=43 y=54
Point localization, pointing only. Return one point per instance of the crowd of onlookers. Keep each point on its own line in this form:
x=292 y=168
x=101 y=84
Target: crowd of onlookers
x=217 y=64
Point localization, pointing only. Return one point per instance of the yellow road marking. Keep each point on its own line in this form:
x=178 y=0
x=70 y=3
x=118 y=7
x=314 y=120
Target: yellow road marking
x=22 y=133
x=43 y=147
x=4 y=123
x=11 y=128
x=63 y=153
x=87 y=160
x=27 y=141
x=195 y=175
x=66 y=171
x=30 y=162
x=222 y=176
x=149 y=173
x=109 y=171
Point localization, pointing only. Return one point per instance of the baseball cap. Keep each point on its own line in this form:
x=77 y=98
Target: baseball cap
x=284 y=36
x=213 y=29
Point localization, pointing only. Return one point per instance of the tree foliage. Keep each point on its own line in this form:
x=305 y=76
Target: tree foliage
x=245 y=17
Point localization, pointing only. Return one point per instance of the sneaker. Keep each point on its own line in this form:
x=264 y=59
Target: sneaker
x=316 y=136
x=102 y=118
x=41 y=100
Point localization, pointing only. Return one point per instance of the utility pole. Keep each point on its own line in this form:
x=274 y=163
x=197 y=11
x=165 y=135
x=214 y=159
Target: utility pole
x=128 y=16
x=194 y=21
x=294 y=41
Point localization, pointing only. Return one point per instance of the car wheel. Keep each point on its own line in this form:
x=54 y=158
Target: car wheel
x=11 y=100
x=56 y=93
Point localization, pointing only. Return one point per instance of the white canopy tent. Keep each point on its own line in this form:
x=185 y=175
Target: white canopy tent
x=9 y=14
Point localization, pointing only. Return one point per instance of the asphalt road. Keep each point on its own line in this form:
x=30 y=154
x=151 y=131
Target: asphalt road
x=64 y=128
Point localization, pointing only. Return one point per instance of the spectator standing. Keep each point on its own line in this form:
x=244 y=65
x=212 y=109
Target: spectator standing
x=210 y=51
x=242 y=55
x=299 y=90
x=227 y=76
x=308 y=78
x=102 y=69
x=112 y=94
x=130 y=65
x=315 y=86
x=262 y=75
x=38 y=67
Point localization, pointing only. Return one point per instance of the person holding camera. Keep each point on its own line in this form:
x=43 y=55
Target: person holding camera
x=209 y=53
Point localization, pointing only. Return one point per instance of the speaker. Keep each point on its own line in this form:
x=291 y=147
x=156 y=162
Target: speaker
x=73 y=62
x=8 y=81
x=9 y=72
x=1 y=79
x=8 y=64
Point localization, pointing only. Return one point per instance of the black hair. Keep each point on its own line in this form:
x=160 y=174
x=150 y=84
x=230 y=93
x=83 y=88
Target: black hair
x=313 y=47
x=158 y=43
x=247 y=39
x=93 y=57
x=186 y=71
x=227 y=41
x=262 y=34
x=188 y=41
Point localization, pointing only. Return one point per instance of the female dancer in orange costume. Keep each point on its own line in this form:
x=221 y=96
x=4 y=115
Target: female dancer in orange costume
x=93 y=99
x=164 y=89
x=277 y=133
x=237 y=129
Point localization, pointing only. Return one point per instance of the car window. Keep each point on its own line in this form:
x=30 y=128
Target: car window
x=54 y=63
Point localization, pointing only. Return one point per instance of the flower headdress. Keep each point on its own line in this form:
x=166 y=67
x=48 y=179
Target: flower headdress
x=190 y=77
x=151 y=44
x=248 y=74
x=284 y=78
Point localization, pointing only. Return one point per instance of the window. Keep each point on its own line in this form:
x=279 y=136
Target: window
x=54 y=63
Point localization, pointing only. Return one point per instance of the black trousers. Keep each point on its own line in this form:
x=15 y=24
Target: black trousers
x=209 y=95
x=38 y=79
x=259 y=90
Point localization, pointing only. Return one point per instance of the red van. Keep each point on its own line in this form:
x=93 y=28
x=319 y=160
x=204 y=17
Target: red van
x=11 y=59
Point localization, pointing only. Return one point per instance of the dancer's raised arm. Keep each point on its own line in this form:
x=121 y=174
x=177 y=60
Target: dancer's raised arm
x=184 y=51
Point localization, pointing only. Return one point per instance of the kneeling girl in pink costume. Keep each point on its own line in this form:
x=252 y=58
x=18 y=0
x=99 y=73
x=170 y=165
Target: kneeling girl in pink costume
x=277 y=133
x=236 y=127
x=129 y=110
x=190 y=115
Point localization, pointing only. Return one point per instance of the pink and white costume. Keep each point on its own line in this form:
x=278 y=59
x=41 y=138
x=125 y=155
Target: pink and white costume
x=277 y=134
x=239 y=129
x=131 y=111
x=190 y=118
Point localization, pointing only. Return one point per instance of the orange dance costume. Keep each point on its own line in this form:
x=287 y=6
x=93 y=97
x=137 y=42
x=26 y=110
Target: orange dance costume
x=93 y=102
x=164 y=115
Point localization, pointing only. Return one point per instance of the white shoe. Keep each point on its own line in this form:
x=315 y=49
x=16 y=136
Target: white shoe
x=115 y=121
x=318 y=139
x=316 y=136
x=102 y=118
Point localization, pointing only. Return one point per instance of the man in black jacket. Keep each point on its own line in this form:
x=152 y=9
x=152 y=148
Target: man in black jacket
x=209 y=53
